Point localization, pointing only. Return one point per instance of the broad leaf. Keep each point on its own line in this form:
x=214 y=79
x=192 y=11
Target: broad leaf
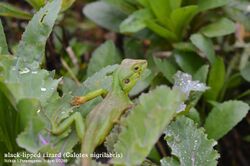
x=66 y=4
x=3 y=43
x=105 y=55
x=36 y=136
x=161 y=31
x=181 y=18
x=216 y=79
x=224 y=117
x=37 y=31
x=220 y=28
x=189 y=62
x=205 y=45
x=245 y=72
x=37 y=4
x=169 y=161
x=8 y=10
x=124 y=5
x=210 y=4
x=136 y=21
x=190 y=144
x=9 y=125
x=104 y=15
x=163 y=8
x=167 y=68
x=153 y=113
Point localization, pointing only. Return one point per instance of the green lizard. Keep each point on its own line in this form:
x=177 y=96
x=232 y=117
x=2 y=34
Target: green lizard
x=100 y=120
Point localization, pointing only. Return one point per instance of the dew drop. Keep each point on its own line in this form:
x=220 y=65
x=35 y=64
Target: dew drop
x=24 y=71
x=43 y=89
x=34 y=72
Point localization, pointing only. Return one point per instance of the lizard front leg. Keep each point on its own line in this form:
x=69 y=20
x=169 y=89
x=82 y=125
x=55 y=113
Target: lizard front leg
x=79 y=125
x=78 y=100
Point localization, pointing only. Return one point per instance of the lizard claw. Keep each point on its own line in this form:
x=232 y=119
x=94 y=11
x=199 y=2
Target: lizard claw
x=78 y=100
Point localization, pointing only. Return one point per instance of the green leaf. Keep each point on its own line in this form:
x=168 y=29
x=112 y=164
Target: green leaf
x=224 y=117
x=210 y=4
x=36 y=138
x=216 y=79
x=245 y=72
x=105 y=55
x=144 y=3
x=8 y=10
x=167 y=68
x=26 y=109
x=205 y=45
x=163 y=8
x=181 y=18
x=201 y=74
x=133 y=48
x=154 y=112
x=190 y=144
x=25 y=139
x=3 y=43
x=136 y=21
x=189 y=62
x=9 y=125
x=67 y=4
x=169 y=161
x=237 y=10
x=37 y=4
x=37 y=31
x=123 y=5
x=222 y=27
x=161 y=31
x=104 y=15
x=41 y=87
x=17 y=84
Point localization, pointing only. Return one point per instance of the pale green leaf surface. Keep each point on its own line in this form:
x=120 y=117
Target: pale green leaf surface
x=224 y=117
x=245 y=72
x=190 y=144
x=210 y=4
x=136 y=21
x=30 y=50
x=3 y=43
x=9 y=10
x=167 y=68
x=169 y=161
x=222 y=27
x=105 y=55
x=153 y=113
x=123 y=5
x=205 y=45
x=104 y=15
x=31 y=132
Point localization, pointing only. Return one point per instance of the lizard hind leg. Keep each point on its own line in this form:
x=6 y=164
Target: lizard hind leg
x=79 y=125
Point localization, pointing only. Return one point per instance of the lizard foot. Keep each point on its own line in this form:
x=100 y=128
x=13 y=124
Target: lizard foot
x=78 y=100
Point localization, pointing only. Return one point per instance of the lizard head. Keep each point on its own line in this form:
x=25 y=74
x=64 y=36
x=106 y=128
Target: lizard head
x=130 y=72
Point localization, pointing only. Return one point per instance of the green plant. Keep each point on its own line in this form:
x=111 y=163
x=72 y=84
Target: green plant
x=33 y=98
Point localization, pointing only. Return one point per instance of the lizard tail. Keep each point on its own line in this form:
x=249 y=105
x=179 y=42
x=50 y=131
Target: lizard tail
x=87 y=149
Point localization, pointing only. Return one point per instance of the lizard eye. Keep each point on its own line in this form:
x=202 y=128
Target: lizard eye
x=126 y=81
x=136 y=68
